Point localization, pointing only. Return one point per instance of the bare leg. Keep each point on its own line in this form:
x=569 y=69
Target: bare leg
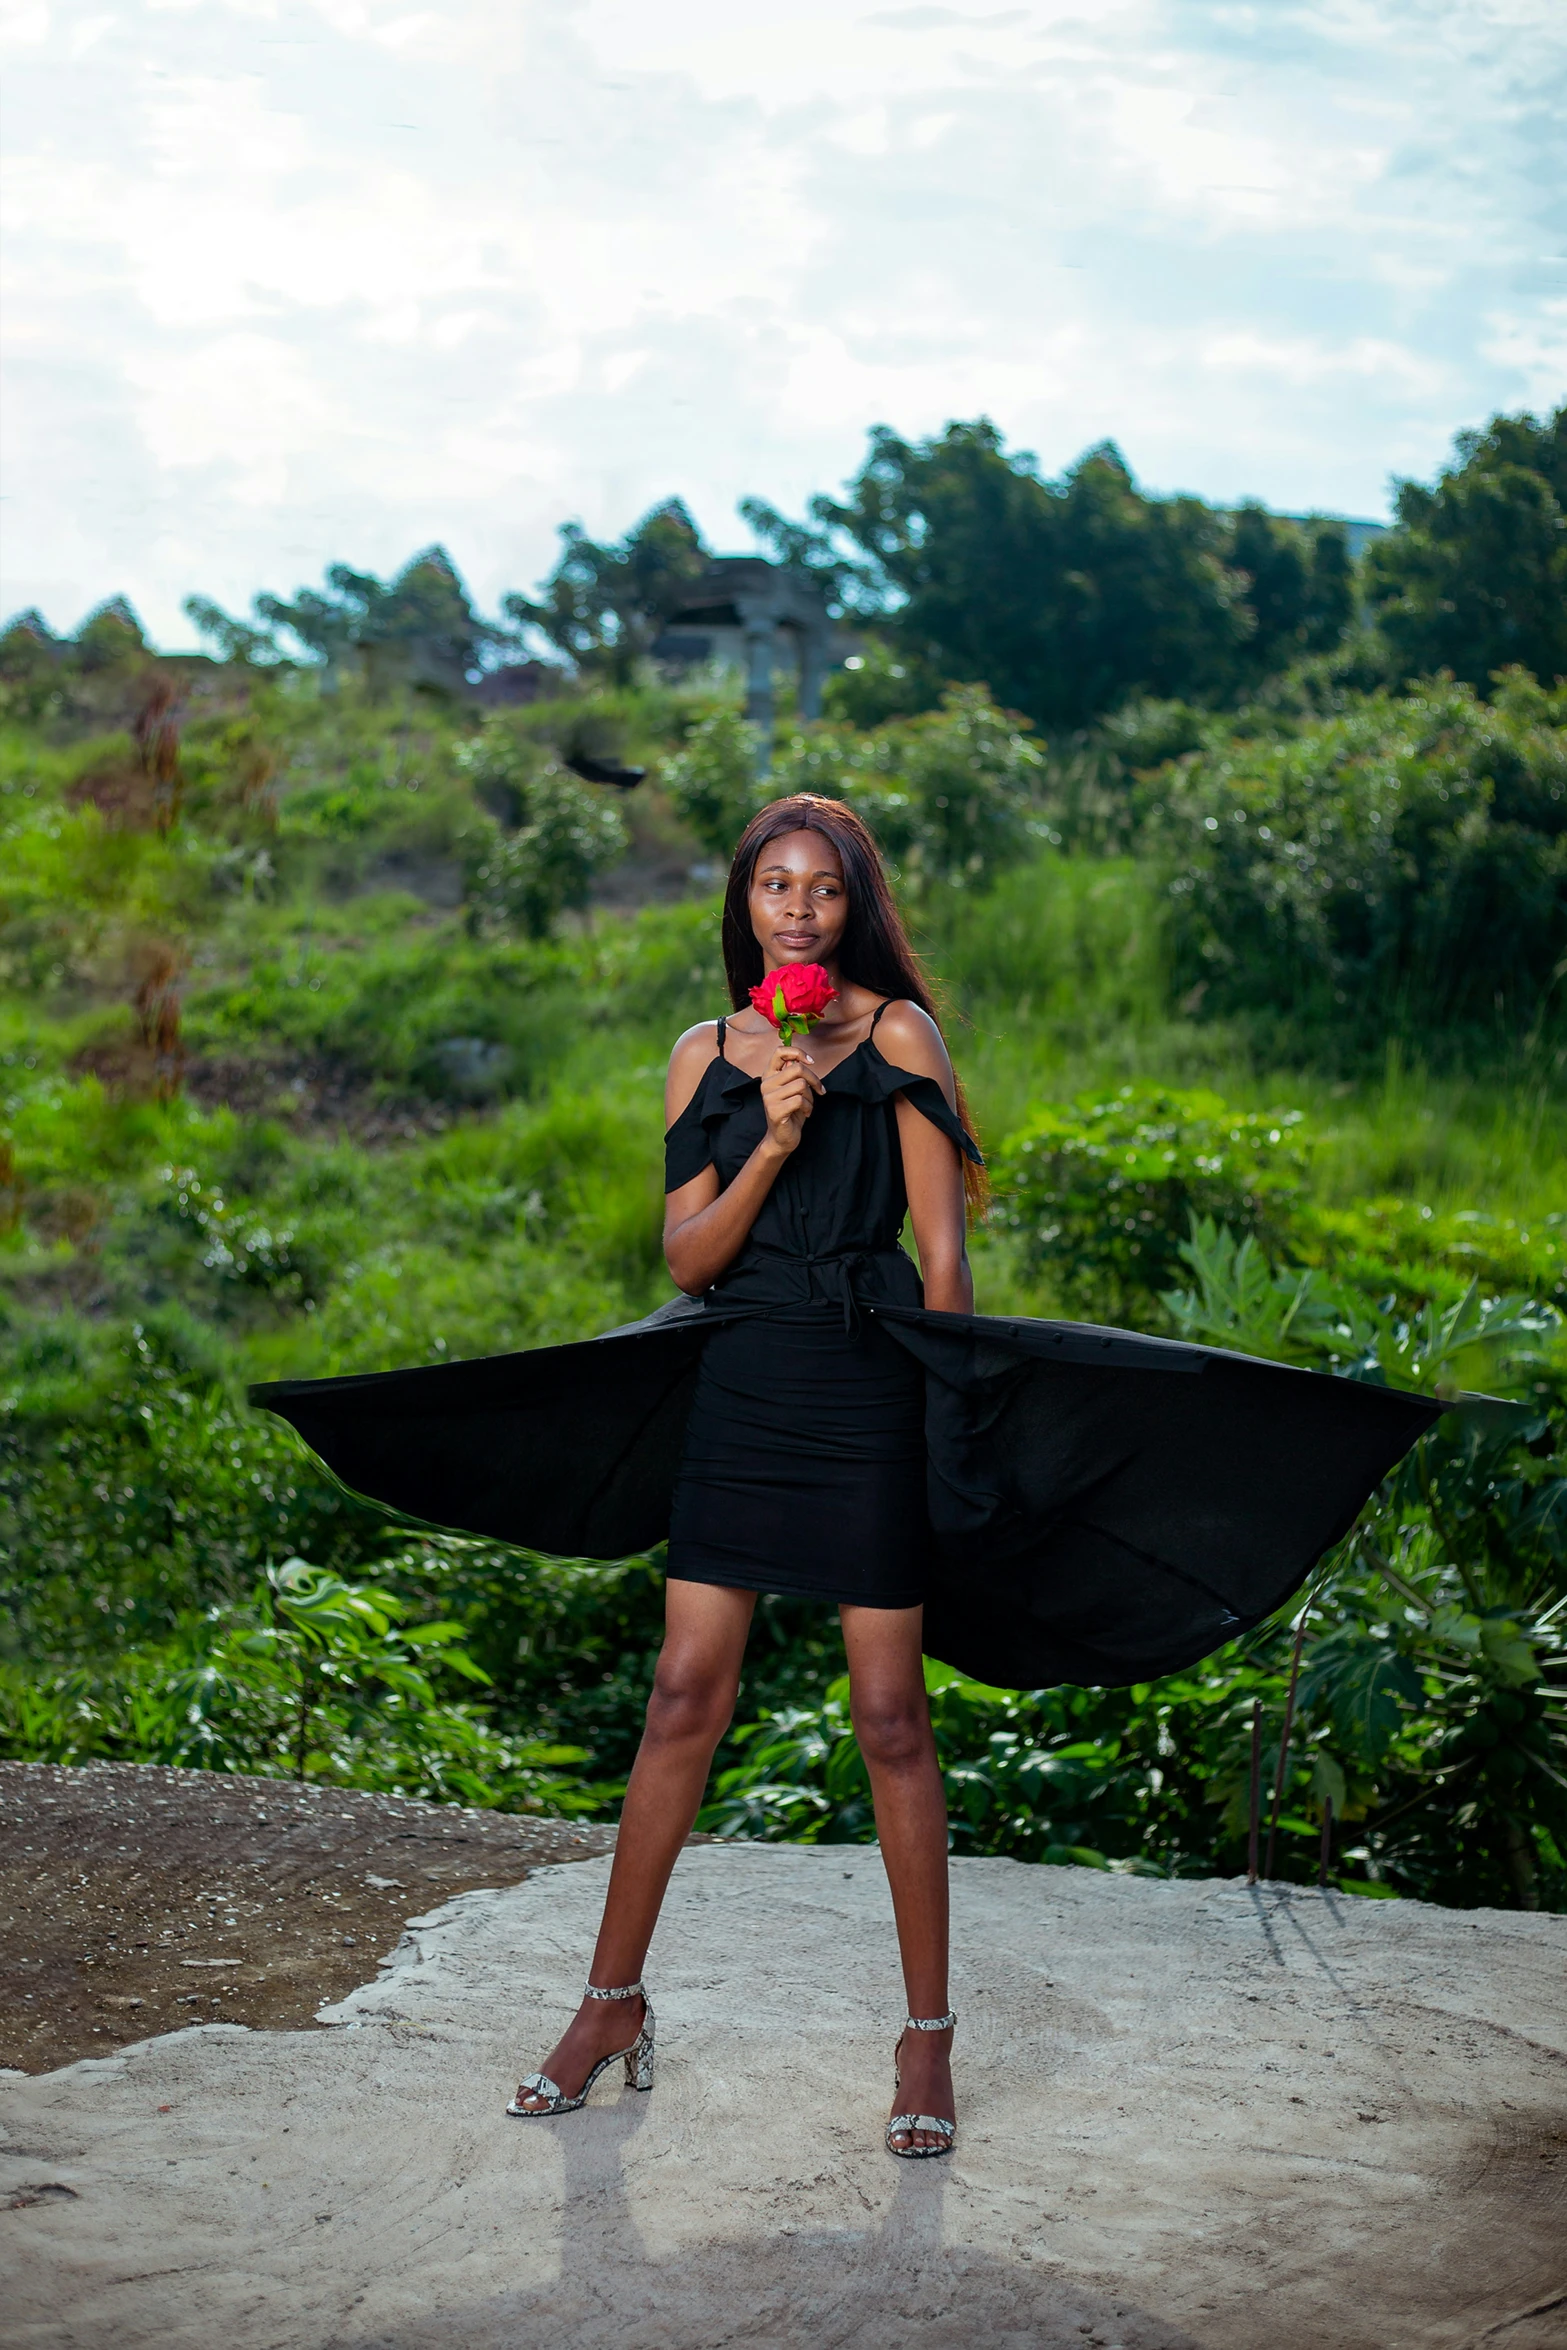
x=692 y=1703
x=892 y=1723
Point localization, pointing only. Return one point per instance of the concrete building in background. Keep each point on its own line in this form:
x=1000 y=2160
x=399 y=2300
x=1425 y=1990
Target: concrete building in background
x=747 y=614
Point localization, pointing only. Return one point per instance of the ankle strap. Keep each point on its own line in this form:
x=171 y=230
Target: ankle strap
x=629 y=1991
x=931 y=2023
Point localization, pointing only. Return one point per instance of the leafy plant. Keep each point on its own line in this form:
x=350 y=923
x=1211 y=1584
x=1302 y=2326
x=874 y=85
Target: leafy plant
x=1435 y=1680
x=1244 y=1303
x=522 y=880
x=1141 y=1780
x=1102 y=1194
x=1432 y=1688
x=322 y=1637
x=317 y=1678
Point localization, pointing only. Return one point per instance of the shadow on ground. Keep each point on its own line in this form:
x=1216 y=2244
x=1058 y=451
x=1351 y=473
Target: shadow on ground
x=896 y=2280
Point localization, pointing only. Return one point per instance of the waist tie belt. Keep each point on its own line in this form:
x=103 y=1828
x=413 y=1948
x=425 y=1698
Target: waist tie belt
x=838 y=1277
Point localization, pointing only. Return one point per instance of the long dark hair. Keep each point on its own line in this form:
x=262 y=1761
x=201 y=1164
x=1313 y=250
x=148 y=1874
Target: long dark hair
x=875 y=952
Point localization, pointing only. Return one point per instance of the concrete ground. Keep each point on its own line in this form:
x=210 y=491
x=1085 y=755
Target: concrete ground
x=1193 y=2117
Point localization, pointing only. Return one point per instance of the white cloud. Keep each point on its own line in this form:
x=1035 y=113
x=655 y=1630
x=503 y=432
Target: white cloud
x=292 y=281
x=1534 y=348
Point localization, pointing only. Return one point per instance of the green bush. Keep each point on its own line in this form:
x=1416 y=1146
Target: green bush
x=545 y=838
x=1101 y=1195
x=1401 y=1247
x=974 y=778
x=880 y=683
x=1437 y=1679
x=1101 y=1778
x=712 y=780
x=315 y=1679
x=524 y=880
x=135 y=1489
x=1398 y=868
x=950 y=795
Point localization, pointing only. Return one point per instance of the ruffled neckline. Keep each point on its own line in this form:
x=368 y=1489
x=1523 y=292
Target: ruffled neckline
x=868 y=1075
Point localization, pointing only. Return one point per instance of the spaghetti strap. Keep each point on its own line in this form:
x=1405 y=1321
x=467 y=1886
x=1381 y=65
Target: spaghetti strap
x=880 y=1008
x=723 y=1023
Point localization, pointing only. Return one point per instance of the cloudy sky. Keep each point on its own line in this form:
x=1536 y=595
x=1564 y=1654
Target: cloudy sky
x=298 y=281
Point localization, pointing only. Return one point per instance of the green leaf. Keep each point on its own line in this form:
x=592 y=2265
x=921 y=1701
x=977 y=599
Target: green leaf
x=1363 y=1683
x=1327 y=1781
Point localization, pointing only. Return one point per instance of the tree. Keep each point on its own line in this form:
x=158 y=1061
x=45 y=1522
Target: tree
x=239 y=641
x=1298 y=585
x=418 y=628
x=604 y=605
x=1474 y=577
x=1065 y=597
x=110 y=637
x=850 y=582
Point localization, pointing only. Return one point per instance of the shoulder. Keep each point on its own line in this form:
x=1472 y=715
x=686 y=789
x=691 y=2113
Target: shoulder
x=911 y=1039
x=692 y=1054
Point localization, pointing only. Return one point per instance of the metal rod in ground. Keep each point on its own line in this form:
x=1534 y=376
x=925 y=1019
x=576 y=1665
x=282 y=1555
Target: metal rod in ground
x=1284 y=1741
x=1255 y=1812
x=1325 y=1856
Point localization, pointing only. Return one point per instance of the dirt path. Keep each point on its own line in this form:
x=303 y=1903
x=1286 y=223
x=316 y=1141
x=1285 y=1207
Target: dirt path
x=1193 y=2118
x=135 y=1899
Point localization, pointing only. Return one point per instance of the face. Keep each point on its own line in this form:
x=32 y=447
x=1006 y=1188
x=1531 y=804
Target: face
x=799 y=903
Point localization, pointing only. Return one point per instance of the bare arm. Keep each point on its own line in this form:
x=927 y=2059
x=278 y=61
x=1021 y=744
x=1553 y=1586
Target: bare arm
x=705 y=1228
x=932 y=1169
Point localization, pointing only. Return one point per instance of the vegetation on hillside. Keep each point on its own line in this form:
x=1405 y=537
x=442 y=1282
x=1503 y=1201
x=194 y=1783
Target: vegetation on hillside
x=334 y=1002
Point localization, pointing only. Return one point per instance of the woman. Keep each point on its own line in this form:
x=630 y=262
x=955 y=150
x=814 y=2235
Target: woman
x=804 y=1459
x=1030 y=1501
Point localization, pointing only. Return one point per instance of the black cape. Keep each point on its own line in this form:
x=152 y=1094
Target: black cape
x=1106 y=1507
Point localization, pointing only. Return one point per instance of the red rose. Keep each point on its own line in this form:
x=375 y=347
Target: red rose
x=794 y=998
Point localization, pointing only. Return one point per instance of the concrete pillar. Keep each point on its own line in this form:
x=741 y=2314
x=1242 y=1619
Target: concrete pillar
x=815 y=660
x=760 y=650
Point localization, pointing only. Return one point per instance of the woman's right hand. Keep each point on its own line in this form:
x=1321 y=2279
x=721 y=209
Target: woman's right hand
x=789 y=1089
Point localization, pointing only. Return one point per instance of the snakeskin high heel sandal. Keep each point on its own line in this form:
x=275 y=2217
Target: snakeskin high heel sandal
x=637 y=2059
x=908 y=2123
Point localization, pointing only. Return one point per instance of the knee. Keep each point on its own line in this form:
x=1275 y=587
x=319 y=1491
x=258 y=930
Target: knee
x=893 y=1731
x=689 y=1705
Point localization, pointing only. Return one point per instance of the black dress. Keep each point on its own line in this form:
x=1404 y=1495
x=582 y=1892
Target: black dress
x=803 y=1468
x=1084 y=1504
